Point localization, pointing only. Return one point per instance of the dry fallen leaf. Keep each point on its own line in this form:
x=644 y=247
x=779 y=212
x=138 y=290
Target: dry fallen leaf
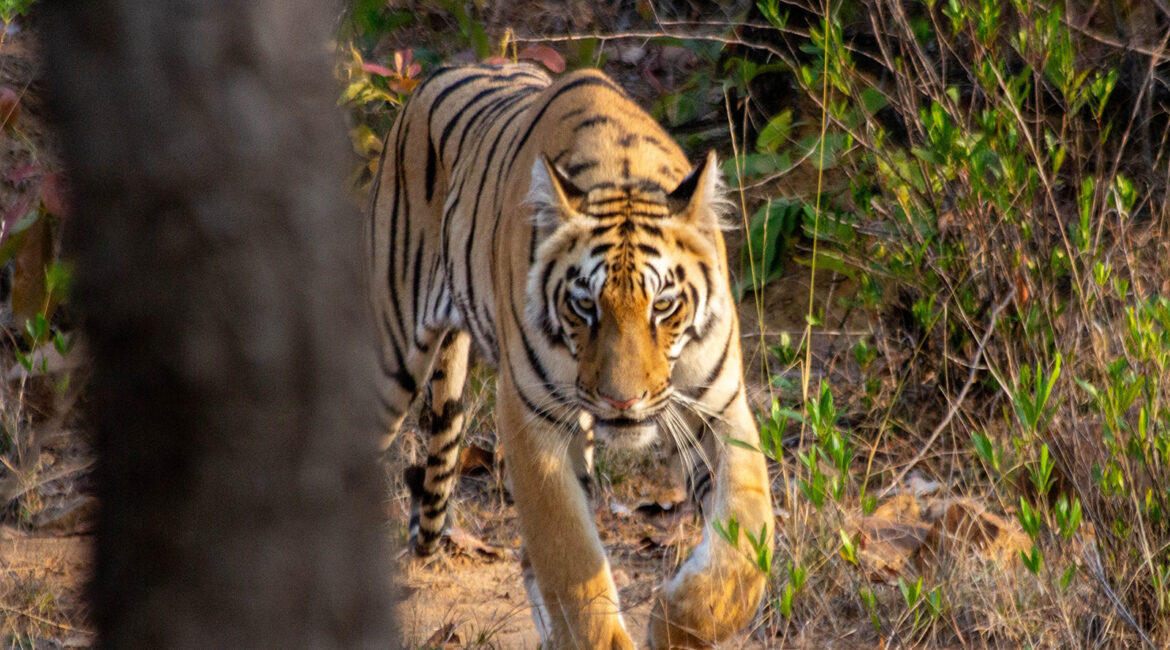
x=469 y=544
x=901 y=507
x=475 y=460
x=966 y=527
x=443 y=638
x=886 y=545
x=28 y=273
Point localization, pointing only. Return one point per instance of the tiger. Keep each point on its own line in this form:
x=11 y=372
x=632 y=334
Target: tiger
x=557 y=228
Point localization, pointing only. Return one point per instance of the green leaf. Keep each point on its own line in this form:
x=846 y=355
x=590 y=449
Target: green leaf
x=775 y=133
x=743 y=444
x=768 y=233
x=824 y=154
x=873 y=100
x=1034 y=561
x=771 y=11
x=983 y=447
x=928 y=155
x=730 y=532
x=754 y=165
x=848 y=547
x=827 y=261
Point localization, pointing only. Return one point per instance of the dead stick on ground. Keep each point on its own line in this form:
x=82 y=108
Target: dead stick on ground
x=954 y=408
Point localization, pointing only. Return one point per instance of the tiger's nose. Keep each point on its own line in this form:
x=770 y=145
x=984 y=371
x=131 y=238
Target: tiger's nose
x=622 y=404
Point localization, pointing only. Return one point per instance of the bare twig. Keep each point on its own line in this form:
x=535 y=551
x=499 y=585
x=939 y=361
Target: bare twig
x=1093 y=561
x=726 y=40
x=954 y=407
x=1158 y=55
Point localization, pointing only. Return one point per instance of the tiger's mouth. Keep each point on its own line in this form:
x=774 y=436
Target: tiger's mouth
x=629 y=428
x=626 y=432
x=622 y=422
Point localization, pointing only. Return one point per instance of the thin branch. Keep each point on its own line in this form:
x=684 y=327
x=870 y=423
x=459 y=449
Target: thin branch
x=954 y=407
x=726 y=40
x=1093 y=561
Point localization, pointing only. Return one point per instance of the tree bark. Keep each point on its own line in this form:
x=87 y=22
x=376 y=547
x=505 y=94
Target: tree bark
x=218 y=270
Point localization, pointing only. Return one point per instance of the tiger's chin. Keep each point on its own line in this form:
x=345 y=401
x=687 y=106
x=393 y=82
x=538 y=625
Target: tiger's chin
x=626 y=433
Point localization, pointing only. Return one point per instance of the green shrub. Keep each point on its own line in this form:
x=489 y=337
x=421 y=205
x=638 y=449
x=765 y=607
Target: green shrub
x=979 y=153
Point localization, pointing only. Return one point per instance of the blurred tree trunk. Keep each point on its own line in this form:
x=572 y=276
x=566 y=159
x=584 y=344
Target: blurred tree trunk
x=217 y=266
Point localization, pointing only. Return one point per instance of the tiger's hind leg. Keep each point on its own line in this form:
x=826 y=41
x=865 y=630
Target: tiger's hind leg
x=441 y=421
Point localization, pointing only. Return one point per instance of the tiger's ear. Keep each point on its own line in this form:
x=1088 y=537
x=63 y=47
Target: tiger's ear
x=554 y=197
x=699 y=197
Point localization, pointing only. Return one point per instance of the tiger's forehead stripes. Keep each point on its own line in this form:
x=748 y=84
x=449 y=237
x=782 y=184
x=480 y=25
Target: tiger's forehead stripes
x=643 y=199
x=619 y=255
x=625 y=153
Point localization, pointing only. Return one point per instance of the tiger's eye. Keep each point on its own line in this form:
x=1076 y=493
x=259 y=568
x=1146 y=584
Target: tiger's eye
x=662 y=304
x=584 y=304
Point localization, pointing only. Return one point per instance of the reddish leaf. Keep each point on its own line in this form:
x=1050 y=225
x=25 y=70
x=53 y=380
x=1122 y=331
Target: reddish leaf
x=53 y=194
x=496 y=60
x=547 y=56
x=23 y=173
x=9 y=106
x=374 y=68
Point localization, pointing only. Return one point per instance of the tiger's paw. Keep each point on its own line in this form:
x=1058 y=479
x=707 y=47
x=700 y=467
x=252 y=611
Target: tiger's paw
x=714 y=595
x=613 y=637
x=621 y=641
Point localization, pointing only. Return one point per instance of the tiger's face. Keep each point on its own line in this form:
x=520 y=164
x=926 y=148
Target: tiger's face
x=623 y=281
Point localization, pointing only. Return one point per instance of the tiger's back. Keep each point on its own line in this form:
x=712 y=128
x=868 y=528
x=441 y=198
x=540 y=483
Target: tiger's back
x=559 y=229
x=431 y=154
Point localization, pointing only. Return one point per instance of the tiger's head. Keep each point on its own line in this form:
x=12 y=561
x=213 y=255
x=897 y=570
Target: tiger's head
x=624 y=277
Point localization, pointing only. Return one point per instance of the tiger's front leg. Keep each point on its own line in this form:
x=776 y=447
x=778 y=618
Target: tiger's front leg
x=577 y=593
x=718 y=589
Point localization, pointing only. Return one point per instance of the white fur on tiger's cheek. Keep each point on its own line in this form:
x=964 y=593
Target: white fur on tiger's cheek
x=541 y=308
x=702 y=312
